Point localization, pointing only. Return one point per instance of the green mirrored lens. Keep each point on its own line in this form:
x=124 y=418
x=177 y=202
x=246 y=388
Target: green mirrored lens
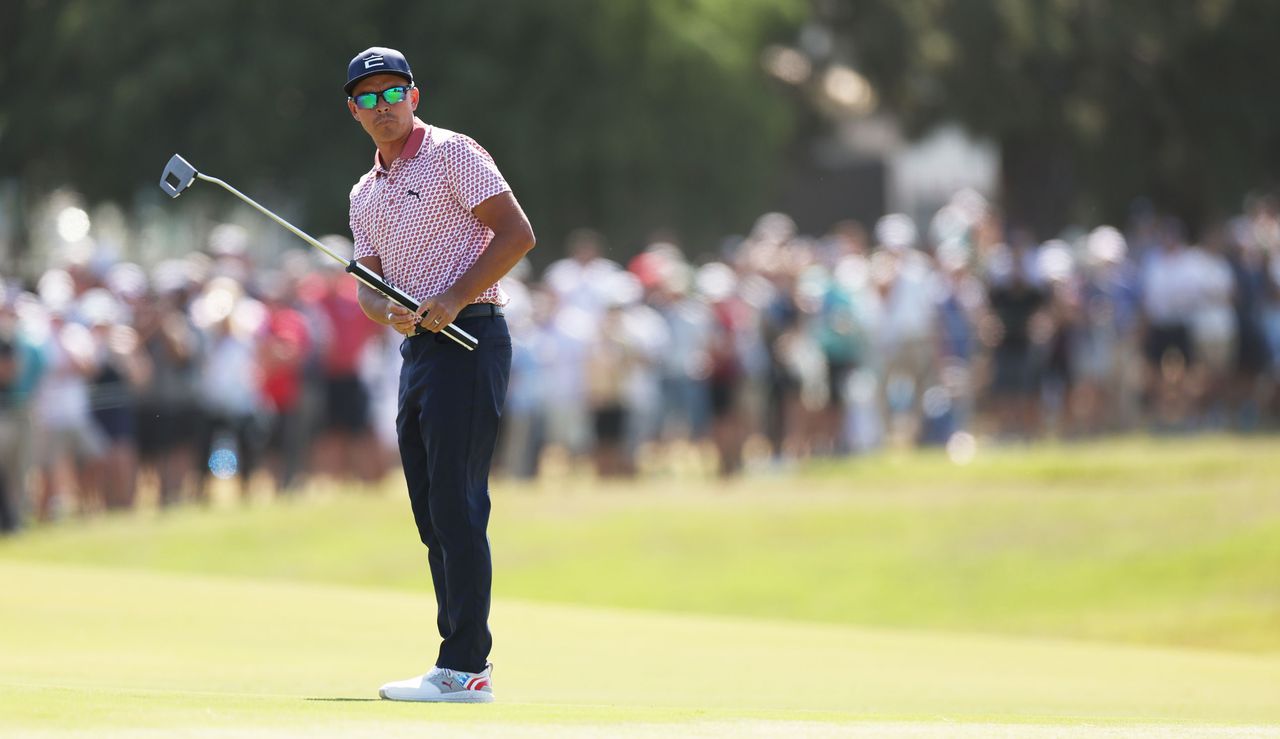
x=393 y=95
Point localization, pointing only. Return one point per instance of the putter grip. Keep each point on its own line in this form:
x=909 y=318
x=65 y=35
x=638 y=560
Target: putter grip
x=375 y=281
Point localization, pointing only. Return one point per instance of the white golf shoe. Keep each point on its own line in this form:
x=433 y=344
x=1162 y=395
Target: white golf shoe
x=442 y=685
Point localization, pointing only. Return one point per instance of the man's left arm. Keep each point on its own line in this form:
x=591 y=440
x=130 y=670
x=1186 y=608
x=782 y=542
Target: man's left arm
x=512 y=239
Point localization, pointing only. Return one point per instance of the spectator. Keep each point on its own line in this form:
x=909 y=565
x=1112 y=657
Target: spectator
x=234 y=433
x=784 y=349
x=170 y=417
x=21 y=366
x=684 y=363
x=1213 y=326
x=346 y=448
x=284 y=346
x=569 y=334
x=650 y=339
x=610 y=360
x=718 y=284
x=1056 y=266
x=119 y=370
x=906 y=328
x=1171 y=290
x=961 y=301
x=1017 y=305
x=580 y=280
x=1249 y=388
x=1107 y=331
x=70 y=445
x=524 y=421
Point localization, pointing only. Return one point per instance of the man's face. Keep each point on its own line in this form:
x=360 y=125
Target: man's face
x=384 y=122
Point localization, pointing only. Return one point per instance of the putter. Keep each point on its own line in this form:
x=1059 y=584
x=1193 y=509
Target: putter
x=179 y=174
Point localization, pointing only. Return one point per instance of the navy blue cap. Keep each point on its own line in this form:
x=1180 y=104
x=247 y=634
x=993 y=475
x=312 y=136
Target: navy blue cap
x=376 y=60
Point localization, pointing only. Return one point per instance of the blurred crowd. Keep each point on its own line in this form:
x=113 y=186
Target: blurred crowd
x=768 y=348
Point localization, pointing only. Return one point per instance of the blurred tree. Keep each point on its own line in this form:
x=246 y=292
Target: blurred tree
x=621 y=115
x=1093 y=102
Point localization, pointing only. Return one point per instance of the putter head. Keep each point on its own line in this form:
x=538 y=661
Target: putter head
x=177 y=176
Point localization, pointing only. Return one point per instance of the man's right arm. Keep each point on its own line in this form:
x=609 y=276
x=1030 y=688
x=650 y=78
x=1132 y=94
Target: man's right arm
x=380 y=308
x=375 y=305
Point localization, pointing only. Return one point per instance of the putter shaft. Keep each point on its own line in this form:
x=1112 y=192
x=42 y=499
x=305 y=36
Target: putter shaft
x=179 y=174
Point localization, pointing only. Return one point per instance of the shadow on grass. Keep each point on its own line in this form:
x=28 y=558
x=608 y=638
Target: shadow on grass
x=344 y=700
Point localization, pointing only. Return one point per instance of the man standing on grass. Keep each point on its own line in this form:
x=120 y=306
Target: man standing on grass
x=435 y=218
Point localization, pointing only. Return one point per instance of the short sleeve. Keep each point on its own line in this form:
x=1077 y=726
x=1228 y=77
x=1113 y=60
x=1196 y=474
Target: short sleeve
x=363 y=246
x=473 y=175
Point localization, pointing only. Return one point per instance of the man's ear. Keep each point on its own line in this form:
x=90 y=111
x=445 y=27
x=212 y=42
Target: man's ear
x=413 y=98
x=352 y=107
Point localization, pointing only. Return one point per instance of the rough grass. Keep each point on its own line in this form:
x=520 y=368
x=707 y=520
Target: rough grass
x=1173 y=542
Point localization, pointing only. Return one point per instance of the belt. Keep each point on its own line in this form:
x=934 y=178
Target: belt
x=476 y=310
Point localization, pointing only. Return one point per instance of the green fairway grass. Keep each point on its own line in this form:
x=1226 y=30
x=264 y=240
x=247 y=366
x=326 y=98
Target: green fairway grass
x=1121 y=588
x=89 y=647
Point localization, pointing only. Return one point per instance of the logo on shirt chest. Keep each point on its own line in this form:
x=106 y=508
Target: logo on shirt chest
x=414 y=193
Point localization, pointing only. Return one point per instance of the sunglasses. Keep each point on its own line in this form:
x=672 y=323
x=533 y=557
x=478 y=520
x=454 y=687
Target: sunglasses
x=393 y=95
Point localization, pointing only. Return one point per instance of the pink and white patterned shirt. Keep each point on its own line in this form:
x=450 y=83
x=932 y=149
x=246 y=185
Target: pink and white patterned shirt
x=416 y=215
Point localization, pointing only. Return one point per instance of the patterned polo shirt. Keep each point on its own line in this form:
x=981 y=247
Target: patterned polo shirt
x=415 y=215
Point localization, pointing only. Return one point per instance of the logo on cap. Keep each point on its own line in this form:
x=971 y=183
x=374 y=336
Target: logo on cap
x=371 y=61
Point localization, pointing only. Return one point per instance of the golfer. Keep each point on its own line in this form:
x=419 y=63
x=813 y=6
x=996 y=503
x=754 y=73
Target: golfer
x=435 y=218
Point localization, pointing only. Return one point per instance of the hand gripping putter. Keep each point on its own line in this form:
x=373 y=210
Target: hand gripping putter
x=178 y=176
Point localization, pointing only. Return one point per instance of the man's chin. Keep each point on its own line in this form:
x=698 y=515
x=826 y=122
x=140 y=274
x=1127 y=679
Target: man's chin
x=390 y=130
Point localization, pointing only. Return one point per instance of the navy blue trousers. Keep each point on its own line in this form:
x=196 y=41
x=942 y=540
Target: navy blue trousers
x=450 y=403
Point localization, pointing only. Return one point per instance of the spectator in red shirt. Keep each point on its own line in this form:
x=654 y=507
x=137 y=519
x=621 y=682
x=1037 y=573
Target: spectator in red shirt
x=285 y=344
x=346 y=447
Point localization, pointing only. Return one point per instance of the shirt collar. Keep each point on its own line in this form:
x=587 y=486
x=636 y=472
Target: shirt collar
x=412 y=146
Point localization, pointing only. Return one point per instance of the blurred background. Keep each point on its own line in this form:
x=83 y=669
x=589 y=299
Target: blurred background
x=925 y=348
x=769 y=232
